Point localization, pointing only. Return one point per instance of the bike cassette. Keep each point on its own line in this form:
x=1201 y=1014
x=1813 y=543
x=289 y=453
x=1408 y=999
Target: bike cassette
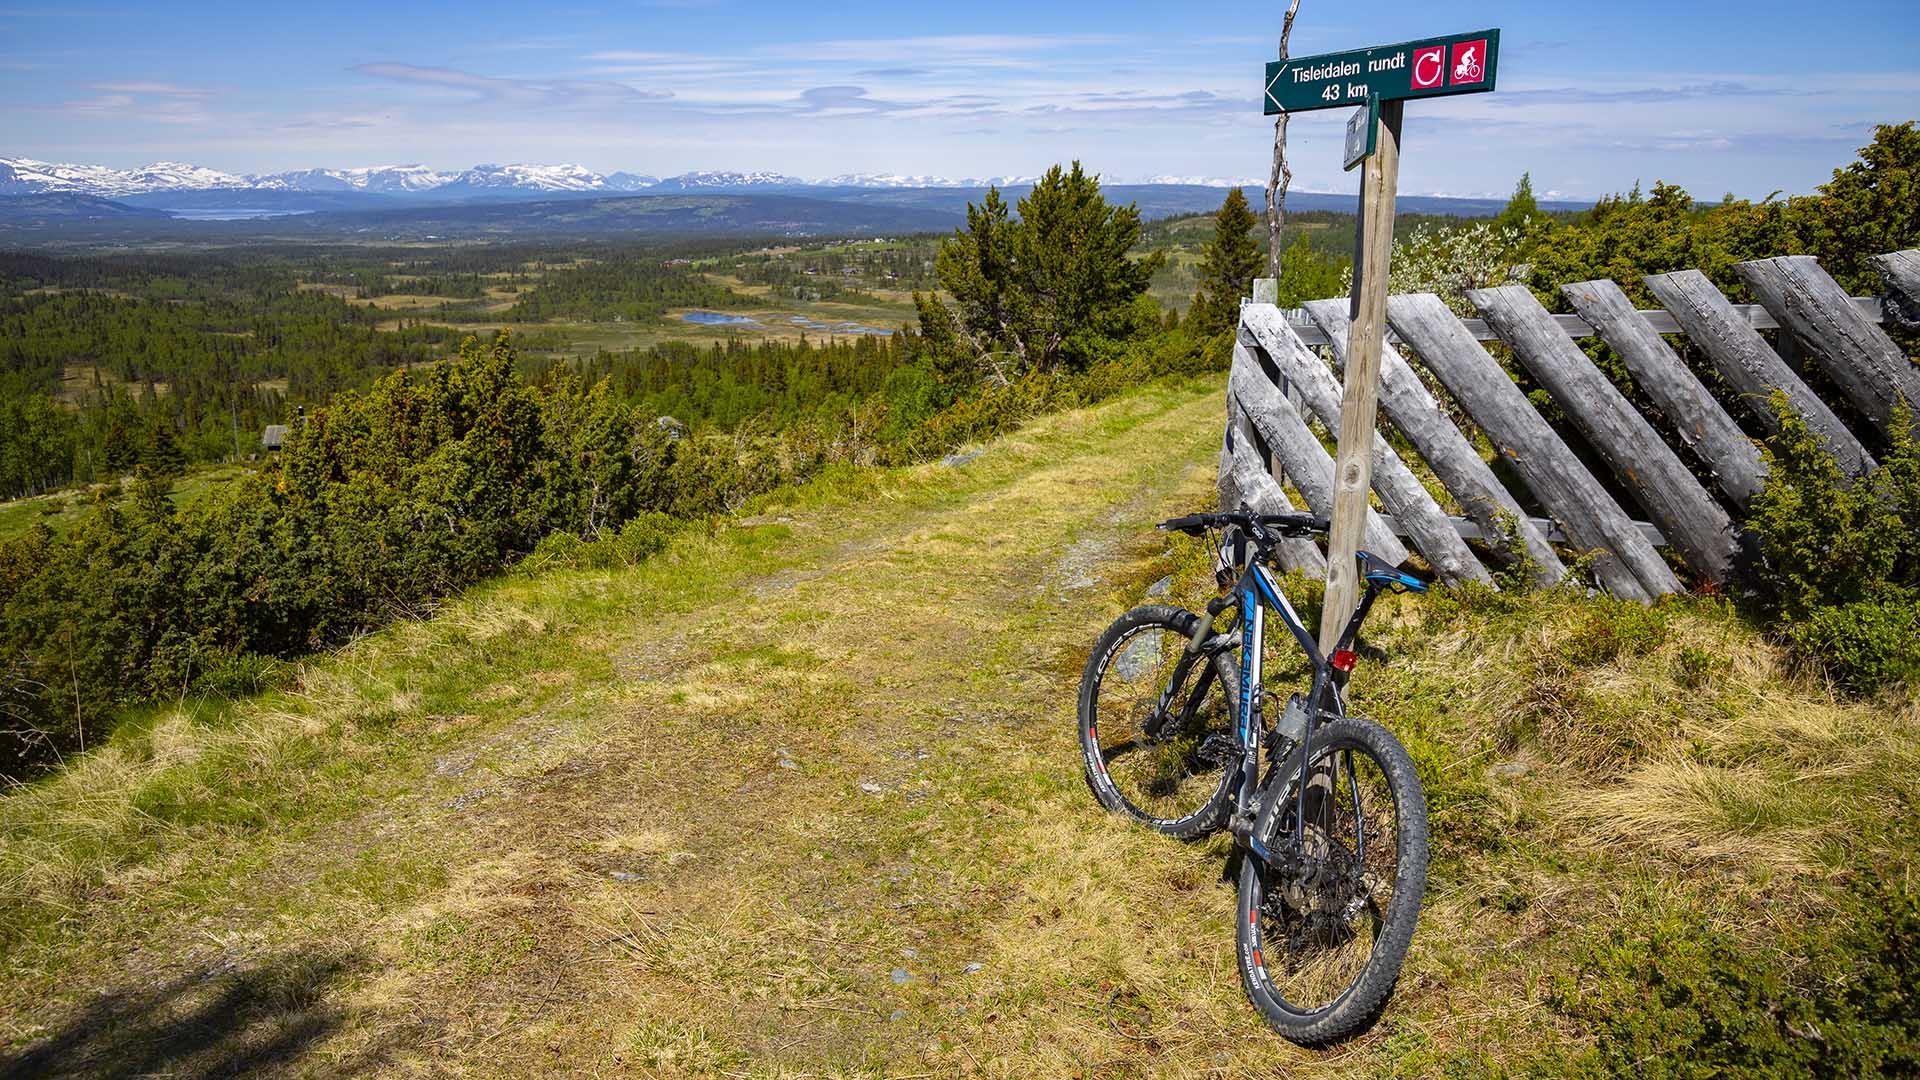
x=1218 y=749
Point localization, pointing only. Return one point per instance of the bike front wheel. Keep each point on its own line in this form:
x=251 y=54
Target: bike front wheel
x=1325 y=922
x=1171 y=768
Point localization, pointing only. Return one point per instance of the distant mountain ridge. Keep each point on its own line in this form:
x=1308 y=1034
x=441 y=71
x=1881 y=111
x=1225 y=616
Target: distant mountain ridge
x=415 y=202
x=27 y=176
x=148 y=184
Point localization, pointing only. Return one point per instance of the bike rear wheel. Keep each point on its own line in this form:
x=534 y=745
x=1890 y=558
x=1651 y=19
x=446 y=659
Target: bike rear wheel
x=1172 y=771
x=1325 y=925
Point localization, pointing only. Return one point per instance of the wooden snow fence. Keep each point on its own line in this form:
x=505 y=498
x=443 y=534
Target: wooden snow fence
x=1688 y=463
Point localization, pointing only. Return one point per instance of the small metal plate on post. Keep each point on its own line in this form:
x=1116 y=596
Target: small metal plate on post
x=1363 y=133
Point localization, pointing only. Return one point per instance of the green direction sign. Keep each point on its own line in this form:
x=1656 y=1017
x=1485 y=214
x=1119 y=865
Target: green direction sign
x=1434 y=67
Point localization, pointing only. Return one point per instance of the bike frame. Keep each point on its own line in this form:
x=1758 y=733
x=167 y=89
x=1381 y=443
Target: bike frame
x=1255 y=592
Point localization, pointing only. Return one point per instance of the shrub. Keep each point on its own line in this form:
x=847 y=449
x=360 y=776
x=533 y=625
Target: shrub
x=1837 y=998
x=1867 y=643
x=1840 y=561
x=1611 y=628
x=383 y=504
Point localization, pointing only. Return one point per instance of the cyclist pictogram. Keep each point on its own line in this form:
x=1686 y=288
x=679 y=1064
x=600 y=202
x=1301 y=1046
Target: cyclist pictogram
x=1468 y=62
x=1468 y=69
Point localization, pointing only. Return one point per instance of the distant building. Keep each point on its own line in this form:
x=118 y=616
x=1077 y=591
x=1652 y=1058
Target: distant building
x=274 y=436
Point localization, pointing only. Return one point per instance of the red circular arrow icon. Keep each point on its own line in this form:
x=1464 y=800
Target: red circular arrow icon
x=1429 y=67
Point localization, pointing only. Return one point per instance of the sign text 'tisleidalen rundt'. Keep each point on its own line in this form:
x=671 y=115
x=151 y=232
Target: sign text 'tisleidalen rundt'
x=1457 y=64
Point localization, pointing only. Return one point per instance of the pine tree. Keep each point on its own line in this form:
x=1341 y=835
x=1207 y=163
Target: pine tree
x=1049 y=289
x=1227 y=268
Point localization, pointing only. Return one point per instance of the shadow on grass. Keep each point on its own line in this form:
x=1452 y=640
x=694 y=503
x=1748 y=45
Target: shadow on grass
x=254 y=1020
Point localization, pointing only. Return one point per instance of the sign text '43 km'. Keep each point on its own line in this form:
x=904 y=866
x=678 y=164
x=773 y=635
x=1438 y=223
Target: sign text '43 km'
x=1434 y=67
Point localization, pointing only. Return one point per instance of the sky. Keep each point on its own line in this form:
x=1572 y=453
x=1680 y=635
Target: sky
x=1742 y=98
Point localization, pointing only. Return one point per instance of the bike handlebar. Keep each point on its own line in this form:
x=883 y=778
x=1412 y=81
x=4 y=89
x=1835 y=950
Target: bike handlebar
x=1284 y=524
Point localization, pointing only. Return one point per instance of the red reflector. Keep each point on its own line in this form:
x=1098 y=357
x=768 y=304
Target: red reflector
x=1344 y=659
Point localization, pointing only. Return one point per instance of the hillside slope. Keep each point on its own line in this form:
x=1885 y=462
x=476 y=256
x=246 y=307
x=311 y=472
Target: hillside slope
x=801 y=798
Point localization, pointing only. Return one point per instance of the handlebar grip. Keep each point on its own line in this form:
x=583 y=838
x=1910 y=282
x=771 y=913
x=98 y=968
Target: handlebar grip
x=1191 y=524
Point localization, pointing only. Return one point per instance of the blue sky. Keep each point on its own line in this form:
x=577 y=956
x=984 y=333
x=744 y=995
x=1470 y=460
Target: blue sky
x=1741 y=97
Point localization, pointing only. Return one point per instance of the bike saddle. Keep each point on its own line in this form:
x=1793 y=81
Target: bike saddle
x=1378 y=571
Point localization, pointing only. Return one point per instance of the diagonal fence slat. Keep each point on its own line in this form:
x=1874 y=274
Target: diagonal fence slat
x=1901 y=271
x=1693 y=522
x=1400 y=491
x=1867 y=366
x=1445 y=450
x=1751 y=366
x=1625 y=564
x=1698 y=419
x=1244 y=481
x=1306 y=462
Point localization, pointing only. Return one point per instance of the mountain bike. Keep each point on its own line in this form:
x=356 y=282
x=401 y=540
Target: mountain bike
x=1326 y=807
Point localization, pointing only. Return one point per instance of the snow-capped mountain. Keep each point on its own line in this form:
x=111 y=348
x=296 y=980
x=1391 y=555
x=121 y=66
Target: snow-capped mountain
x=150 y=185
x=1203 y=181
x=376 y=178
x=526 y=178
x=731 y=181
x=888 y=180
x=25 y=176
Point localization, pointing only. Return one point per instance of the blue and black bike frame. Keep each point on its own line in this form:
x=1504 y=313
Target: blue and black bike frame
x=1256 y=591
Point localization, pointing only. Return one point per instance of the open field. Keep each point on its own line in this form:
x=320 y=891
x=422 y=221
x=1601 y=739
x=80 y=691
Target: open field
x=801 y=797
x=61 y=509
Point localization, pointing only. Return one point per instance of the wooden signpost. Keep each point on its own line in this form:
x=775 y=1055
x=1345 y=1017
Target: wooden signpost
x=1379 y=80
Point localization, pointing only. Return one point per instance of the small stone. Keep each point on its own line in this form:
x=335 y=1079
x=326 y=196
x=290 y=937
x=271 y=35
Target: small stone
x=961 y=457
x=1161 y=587
x=871 y=788
x=910 y=954
x=1512 y=769
x=626 y=875
x=900 y=977
x=971 y=968
x=897 y=1014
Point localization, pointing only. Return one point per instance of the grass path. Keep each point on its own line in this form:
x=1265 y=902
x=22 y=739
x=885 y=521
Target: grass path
x=797 y=798
x=801 y=798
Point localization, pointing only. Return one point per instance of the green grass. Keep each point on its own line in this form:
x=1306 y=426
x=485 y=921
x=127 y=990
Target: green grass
x=687 y=817
x=59 y=510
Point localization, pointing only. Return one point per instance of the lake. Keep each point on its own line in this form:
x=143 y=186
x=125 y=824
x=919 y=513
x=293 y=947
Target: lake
x=714 y=318
x=233 y=213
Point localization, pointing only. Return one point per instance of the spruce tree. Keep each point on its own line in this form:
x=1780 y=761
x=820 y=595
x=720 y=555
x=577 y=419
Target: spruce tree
x=1521 y=207
x=1227 y=267
x=162 y=455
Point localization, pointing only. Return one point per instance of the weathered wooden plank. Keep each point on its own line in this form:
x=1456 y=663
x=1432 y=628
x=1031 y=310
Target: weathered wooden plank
x=1751 y=366
x=1699 y=420
x=1246 y=476
x=1307 y=462
x=1472 y=530
x=1697 y=527
x=1400 y=490
x=1263 y=496
x=1901 y=271
x=1626 y=564
x=1223 y=485
x=1867 y=366
x=1447 y=451
x=1753 y=315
